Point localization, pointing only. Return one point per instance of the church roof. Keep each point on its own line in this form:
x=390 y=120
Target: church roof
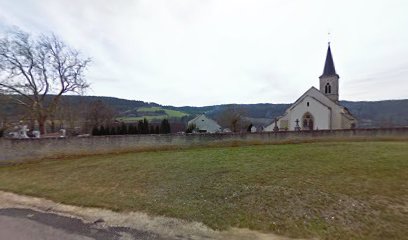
x=329 y=69
x=308 y=93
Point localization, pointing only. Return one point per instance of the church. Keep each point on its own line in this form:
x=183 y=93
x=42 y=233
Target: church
x=317 y=109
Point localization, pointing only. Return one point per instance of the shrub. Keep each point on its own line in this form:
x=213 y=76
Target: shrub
x=95 y=131
x=191 y=128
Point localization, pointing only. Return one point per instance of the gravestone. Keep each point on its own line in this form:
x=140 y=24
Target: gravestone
x=36 y=134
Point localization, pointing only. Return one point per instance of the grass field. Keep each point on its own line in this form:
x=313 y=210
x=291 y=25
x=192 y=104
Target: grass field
x=336 y=190
x=168 y=114
x=135 y=119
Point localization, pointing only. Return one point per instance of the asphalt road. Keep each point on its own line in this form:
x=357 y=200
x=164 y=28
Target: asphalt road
x=26 y=224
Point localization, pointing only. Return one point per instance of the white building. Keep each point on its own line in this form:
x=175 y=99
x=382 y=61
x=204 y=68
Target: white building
x=204 y=124
x=318 y=109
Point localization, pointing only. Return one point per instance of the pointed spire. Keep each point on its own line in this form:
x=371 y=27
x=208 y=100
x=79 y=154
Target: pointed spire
x=329 y=69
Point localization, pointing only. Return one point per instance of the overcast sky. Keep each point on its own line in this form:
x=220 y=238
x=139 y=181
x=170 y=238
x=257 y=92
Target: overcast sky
x=204 y=52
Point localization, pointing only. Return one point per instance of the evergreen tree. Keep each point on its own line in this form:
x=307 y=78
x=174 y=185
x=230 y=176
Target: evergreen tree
x=249 y=127
x=131 y=129
x=123 y=129
x=95 y=131
x=102 y=130
x=165 y=126
x=113 y=130
x=145 y=126
x=168 y=127
x=135 y=131
x=140 y=127
x=108 y=130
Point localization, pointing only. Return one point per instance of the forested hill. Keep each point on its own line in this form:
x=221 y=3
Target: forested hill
x=369 y=114
x=385 y=113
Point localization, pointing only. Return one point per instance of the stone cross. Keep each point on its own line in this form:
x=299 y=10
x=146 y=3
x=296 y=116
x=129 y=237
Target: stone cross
x=276 y=128
x=297 y=127
x=23 y=132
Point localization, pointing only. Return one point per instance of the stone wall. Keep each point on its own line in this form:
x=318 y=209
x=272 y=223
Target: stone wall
x=20 y=150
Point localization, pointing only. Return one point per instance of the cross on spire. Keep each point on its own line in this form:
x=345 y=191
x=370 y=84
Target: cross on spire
x=328 y=38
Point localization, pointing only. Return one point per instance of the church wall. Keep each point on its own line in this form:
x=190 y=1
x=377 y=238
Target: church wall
x=320 y=113
x=346 y=123
x=338 y=118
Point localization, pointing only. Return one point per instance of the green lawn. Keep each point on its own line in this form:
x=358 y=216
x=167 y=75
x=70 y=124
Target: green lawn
x=336 y=190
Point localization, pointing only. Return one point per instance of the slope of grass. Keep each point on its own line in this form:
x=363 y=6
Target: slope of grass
x=170 y=113
x=135 y=119
x=354 y=190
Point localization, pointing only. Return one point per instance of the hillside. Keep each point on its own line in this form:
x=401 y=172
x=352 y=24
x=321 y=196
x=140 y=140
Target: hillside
x=370 y=114
x=379 y=113
x=150 y=113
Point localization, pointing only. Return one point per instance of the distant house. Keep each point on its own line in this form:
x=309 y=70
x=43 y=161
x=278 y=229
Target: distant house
x=204 y=124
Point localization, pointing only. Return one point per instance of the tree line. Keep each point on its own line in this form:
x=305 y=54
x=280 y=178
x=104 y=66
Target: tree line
x=142 y=127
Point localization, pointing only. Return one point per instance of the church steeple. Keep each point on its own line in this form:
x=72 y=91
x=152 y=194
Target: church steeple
x=329 y=80
x=329 y=69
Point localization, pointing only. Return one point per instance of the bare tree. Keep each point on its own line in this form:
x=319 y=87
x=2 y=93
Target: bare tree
x=9 y=113
x=98 y=113
x=3 y=115
x=36 y=71
x=68 y=115
x=233 y=117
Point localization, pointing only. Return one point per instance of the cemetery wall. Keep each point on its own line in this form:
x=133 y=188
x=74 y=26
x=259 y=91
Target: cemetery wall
x=20 y=150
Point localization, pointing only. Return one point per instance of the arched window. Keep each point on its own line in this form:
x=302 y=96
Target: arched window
x=305 y=125
x=308 y=121
x=327 y=88
x=310 y=124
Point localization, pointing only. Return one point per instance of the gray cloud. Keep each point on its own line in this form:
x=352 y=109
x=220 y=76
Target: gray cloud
x=211 y=52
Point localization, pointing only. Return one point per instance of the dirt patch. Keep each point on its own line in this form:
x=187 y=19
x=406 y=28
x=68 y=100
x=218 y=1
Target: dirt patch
x=165 y=227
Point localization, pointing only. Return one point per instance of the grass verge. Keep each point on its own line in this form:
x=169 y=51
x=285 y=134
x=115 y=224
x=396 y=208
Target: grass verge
x=340 y=190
